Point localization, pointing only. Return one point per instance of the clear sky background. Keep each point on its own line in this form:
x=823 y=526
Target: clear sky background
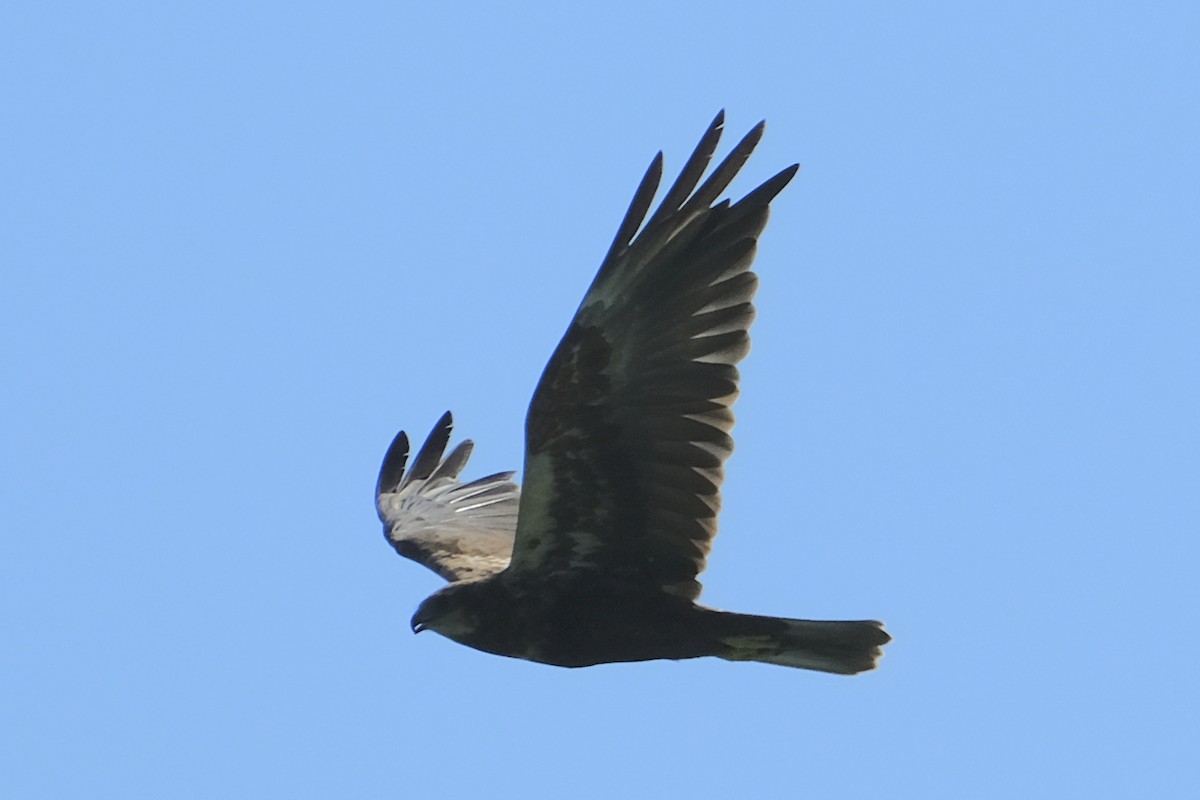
x=243 y=244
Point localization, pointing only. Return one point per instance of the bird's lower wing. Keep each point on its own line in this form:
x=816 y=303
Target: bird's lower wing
x=458 y=530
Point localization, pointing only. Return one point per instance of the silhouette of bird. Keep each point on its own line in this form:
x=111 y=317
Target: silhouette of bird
x=595 y=559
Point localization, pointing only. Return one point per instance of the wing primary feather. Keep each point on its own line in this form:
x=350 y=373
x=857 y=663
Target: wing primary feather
x=453 y=463
x=638 y=207
x=757 y=202
x=392 y=470
x=692 y=171
x=431 y=452
x=764 y=194
x=725 y=172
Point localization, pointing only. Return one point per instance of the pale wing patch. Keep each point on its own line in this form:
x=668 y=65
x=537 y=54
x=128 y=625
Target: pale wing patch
x=458 y=530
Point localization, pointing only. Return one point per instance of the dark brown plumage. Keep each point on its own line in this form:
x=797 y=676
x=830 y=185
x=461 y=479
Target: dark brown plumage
x=625 y=442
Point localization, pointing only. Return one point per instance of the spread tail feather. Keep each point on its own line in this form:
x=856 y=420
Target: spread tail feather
x=845 y=648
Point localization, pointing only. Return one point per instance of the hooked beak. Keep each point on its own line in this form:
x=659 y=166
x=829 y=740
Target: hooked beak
x=418 y=625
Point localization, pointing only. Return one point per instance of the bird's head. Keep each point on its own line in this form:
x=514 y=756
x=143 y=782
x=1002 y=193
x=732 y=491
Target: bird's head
x=447 y=611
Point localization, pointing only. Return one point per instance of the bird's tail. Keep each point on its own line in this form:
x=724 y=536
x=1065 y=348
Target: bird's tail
x=845 y=648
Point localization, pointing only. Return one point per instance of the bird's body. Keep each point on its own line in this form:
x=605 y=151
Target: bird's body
x=595 y=559
x=566 y=621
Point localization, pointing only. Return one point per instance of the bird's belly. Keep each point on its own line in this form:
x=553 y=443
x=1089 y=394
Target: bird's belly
x=577 y=631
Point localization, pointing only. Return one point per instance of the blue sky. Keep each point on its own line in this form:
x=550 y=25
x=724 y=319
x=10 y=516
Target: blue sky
x=242 y=244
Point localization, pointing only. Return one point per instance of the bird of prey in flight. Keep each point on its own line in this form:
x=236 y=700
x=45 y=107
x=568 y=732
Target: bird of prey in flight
x=594 y=560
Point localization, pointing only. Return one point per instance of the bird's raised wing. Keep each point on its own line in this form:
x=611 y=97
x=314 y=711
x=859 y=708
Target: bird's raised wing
x=629 y=427
x=458 y=530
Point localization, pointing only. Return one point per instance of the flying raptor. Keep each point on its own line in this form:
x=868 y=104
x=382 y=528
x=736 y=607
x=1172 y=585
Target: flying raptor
x=595 y=559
